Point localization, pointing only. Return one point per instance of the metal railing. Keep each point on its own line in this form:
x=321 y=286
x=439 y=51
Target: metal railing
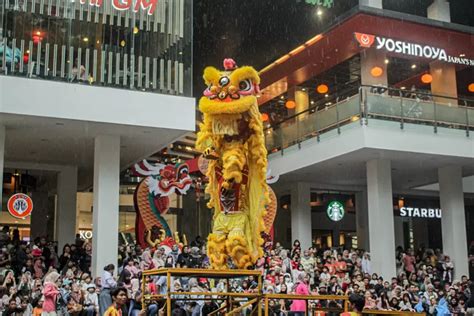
x=104 y=67
x=372 y=102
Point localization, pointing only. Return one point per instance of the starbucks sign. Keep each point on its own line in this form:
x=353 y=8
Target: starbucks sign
x=335 y=211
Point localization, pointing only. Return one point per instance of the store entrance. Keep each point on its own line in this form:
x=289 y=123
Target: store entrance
x=328 y=239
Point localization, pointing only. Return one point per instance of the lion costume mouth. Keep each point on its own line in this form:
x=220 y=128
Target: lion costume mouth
x=218 y=107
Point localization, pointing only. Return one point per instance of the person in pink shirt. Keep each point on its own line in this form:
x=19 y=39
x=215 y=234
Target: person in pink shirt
x=408 y=260
x=50 y=293
x=298 y=307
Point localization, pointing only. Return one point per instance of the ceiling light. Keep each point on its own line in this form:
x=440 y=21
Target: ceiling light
x=386 y=61
x=85 y=39
x=326 y=95
x=282 y=97
x=304 y=89
x=462 y=55
x=312 y=102
x=319 y=12
x=403 y=88
x=413 y=66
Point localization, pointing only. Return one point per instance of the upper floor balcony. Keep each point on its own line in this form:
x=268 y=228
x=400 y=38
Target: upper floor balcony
x=367 y=103
x=142 y=46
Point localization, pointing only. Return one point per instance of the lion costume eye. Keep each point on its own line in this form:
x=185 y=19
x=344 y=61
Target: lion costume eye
x=245 y=85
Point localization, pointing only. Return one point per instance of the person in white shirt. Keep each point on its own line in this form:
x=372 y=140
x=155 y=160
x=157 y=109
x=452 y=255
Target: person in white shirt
x=91 y=301
x=107 y=283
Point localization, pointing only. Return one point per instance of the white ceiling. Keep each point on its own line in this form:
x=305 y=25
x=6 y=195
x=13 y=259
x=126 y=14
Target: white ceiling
x=31 y=139
x=409 y=170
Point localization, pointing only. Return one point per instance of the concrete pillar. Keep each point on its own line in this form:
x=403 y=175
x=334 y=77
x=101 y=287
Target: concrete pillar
x=444 y=74
x=439 y=10
x=40 y=214
x=362 y=220
x=302 y=102
x=2 y=160
x=371 y=3
x=301 y=227
x=444 y=83
x=381 y=229
x=370 y=58
x=399 y=233
x=105 y=217
x=453 y=220
x=66 y=206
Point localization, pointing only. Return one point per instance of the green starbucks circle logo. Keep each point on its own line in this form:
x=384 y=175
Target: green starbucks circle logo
x=335 y=211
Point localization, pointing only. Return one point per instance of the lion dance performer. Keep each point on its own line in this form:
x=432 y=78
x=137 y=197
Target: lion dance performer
x=231 y=137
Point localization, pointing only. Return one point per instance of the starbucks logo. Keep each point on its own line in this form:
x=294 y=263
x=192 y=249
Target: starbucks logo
x=335 y=211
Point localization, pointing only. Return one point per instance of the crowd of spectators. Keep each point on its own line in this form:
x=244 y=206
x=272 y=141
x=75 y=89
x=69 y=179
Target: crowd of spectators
x=36 y=280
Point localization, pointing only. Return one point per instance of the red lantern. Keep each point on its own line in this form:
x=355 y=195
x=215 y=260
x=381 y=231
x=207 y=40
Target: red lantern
x=265 y=117
x=426 y=78
x=322 y=89
x=290 y=104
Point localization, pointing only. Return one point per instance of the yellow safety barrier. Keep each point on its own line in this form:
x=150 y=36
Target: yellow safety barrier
x=256 y=300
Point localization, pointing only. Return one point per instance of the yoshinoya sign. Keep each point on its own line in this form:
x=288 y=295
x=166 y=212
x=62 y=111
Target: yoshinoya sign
x=335 y=211
x=121 y=5
x=409 y=49
x=420 y=212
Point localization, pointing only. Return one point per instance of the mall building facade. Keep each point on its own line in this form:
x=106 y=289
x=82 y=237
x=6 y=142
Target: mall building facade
x=370 y=127
x=88 y=88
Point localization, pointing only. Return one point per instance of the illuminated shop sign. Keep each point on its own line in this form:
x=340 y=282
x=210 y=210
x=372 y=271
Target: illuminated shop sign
x=20 y=205
x=335 y=211
x=85 y=234
x=420 y=212
x=121 y=5
x=323 y=3
x=409 y=49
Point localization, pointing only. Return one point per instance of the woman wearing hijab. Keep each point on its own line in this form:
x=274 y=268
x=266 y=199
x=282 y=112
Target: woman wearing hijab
x=298 y=307
x=50 y=294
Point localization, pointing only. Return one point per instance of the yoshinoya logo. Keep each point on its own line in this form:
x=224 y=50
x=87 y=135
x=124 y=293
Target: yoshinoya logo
x=411 y=49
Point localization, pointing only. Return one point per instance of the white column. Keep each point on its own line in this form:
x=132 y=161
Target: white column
x=105 y=216
x=453 y=220
x=66 y=206
x=439 y=10
x=381 y=230
x=362 y=220
x=301 y=214
x=2 y=160
x=371 y=3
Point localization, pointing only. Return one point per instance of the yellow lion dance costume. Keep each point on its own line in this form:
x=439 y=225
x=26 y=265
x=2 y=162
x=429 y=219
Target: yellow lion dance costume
x=231 y=137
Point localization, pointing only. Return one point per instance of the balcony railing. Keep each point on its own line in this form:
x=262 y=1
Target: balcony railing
x=78 y=42
x=103 y=67
x=373 y=102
